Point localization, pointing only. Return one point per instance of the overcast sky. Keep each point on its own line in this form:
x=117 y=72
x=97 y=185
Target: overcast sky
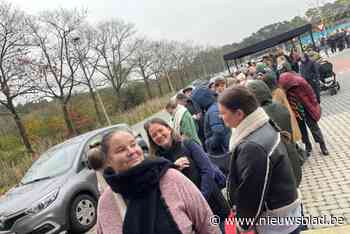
x=206 y=22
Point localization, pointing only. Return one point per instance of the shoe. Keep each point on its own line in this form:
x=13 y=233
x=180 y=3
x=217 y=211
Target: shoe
x=308 y=148
x=324 y=149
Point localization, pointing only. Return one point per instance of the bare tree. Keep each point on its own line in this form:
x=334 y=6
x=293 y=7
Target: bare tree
x=15 y=70
x=116 y=45
x=144 y=60
x=54 y=32
x=187 y=54
x=88 y=61
x=157 y=65
x=163 y=63
x=178 y=56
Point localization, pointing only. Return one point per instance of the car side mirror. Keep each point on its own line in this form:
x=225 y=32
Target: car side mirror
x=85 y=162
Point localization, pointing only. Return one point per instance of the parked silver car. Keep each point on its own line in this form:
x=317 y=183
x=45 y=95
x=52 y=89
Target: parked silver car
x=59 y=192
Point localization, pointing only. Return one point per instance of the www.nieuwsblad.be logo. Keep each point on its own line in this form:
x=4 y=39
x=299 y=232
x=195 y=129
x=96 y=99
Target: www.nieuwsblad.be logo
x=303 y=220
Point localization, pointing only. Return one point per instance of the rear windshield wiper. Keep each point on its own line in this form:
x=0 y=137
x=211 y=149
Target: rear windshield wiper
x=37 y=180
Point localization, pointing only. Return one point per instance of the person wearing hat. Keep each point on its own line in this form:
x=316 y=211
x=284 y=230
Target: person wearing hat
x=219 y=85
x=261 y=69
x=188 y=91
x=211 y=85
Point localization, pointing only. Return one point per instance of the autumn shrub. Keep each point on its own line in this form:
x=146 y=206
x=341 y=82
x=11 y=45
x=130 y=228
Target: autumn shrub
x=10 y=142
x=142 y=111
x=15 y=163
x=81 y=122
x=12 y=171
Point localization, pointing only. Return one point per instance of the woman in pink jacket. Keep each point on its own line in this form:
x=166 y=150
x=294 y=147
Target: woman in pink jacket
x=146 y=196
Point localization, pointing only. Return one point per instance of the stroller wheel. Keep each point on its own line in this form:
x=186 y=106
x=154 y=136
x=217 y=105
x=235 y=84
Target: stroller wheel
x=333 y=91
x=338 y=86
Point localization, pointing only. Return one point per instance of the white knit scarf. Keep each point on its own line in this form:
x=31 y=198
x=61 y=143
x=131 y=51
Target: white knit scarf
x=251 y=123
x=179 y=112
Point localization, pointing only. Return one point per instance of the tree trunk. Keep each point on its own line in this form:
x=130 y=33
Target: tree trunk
x=181 y=76
x=122 y=104
x=119 y=97
x=170 y=85
x=159 y=84
x=148 y=88
x=145 y=79
x=98 y=113
x=182 y=79
x=67 y=120
x=21 y=129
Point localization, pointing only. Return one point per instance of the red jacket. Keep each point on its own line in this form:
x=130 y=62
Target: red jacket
x=298 y=87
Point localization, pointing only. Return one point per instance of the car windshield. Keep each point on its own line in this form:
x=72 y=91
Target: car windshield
x=52 y=163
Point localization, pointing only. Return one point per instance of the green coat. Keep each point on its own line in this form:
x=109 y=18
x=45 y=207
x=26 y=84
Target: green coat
x=188 y=127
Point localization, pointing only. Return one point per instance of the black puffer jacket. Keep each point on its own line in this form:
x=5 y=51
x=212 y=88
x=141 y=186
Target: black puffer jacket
x=258 y=180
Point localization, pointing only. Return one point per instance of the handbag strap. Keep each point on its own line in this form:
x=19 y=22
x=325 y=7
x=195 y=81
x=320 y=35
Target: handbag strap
x=266 y=180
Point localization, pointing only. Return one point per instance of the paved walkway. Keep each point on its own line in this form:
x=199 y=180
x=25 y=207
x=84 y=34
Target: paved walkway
x=334 y=230
x=326 y=179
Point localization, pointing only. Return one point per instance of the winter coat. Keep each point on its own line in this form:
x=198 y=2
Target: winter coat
x=195 y=109
x=185 y=124
x=296 y=86
x=217 y=135
x=192 y=107
x=186 y=205
x=204 y=97
x=205 y=175
x=189 y=128
x=260 y=172
x=310 y=70
x=278 y=95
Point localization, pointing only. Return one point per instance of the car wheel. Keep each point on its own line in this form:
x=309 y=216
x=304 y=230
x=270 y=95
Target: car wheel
x=83 y=213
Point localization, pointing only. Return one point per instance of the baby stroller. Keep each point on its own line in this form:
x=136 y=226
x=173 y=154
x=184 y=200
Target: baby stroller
x=328 y=80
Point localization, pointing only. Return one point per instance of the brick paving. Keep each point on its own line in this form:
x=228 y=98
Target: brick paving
x=326 y=179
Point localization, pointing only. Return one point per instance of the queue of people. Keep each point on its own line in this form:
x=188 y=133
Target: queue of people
x=338 y=40
x=255 y=121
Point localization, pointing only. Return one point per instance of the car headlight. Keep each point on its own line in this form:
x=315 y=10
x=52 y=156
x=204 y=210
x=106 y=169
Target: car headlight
x=43 y=203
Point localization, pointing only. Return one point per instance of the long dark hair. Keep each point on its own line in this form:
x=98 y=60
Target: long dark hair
x=153 y=147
